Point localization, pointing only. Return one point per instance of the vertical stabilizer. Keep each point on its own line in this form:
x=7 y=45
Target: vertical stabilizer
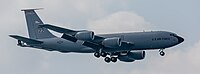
x=33 y=21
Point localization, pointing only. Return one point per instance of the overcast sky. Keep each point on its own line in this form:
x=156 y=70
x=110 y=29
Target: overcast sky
x=102 y=16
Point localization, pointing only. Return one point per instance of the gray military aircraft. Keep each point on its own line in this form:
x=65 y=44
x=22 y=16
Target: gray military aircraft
x=126 y=47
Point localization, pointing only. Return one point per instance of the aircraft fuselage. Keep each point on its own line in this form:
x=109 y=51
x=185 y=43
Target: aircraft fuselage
x=141 y=41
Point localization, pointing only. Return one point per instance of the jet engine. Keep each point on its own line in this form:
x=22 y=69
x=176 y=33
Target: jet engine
x=125 y=58
x=85 y=35
x=112 y=42
x=136 y=55
x=131 y=56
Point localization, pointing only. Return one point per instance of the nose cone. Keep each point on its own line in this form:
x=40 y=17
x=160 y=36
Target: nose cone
x=180 y=39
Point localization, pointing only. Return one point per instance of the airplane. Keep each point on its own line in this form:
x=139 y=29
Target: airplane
x=125 y=47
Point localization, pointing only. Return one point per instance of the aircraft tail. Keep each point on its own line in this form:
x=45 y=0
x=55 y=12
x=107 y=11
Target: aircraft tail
x=33 y=21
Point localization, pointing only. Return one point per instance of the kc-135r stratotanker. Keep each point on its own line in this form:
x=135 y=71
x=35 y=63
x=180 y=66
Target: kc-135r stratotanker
x=126 y=47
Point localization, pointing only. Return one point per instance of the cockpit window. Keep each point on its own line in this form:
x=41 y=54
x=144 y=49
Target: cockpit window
x=172 y=35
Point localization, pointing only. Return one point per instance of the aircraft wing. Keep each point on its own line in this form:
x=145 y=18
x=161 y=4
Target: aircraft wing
x=59 y=29
x=96 y=43
x=68 y=33
x=26 y=40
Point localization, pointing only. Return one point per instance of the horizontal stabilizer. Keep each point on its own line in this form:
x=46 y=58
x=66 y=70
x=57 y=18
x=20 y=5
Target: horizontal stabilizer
x=26 y=40
x=31 y=9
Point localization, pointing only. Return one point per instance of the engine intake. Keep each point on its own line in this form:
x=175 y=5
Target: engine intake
x=112 y=42
x=85 y=35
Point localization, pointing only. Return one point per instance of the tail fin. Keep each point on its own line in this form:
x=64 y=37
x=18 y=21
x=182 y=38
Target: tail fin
x=33 y=21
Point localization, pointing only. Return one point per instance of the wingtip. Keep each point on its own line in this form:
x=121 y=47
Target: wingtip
x=13 y=36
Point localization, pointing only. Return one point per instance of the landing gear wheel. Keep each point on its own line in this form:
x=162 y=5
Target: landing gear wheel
x=96 y=54
x=162 y=53
x=107 y=59
x=103 y=54
x=114 y=59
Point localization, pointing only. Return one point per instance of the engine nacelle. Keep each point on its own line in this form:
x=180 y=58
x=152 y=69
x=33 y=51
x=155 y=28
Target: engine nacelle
x=85 y=35
x=132 y=56
x=112 y=42
x=125 y=58
x=136 y=55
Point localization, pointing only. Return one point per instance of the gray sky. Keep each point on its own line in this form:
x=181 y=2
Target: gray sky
x=102 y=16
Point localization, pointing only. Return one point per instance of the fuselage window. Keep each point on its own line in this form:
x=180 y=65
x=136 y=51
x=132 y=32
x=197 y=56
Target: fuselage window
x=156 y=39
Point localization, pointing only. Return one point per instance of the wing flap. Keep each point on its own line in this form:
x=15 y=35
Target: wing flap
x=96 y=47
x=26 y=40
x=68 y=37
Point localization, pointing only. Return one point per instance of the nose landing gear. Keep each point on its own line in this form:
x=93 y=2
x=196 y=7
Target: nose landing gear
x=162 y=53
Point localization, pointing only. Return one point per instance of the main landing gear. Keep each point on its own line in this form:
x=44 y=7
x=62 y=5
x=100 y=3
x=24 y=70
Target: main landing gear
x=103 y=54
x=114 y=59
x=106 y=59
x=97 y=54
x=162 y=53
